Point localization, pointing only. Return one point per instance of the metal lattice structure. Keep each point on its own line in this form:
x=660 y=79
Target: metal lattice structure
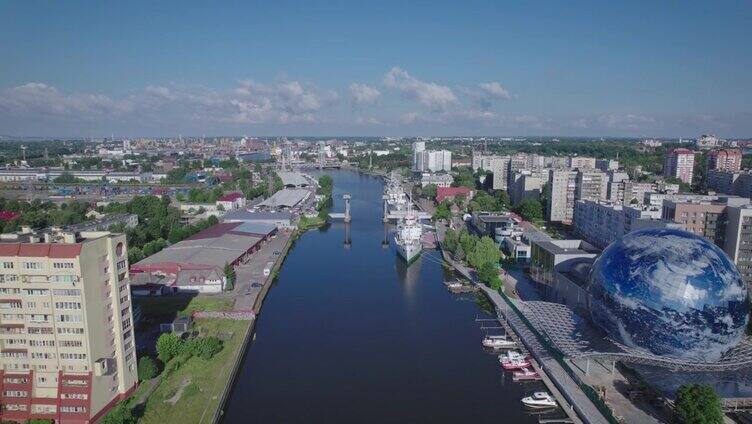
x=575 y=337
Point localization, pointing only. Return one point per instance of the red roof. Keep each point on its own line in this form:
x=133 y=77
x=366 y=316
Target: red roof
x=444 y=192
x=40 y=250
x=231 y=197
x=8 y=215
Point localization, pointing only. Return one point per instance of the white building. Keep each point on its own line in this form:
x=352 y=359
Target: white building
x=680 y=163
x=563 y=184
x=436 y=161
x=601 y=223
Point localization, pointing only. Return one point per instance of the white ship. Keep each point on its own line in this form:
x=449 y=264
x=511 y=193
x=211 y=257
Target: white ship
x=396 y=198
x=409 y=232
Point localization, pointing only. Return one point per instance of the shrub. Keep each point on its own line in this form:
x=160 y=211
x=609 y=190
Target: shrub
x=698 y=404
x=147 y=368
x=168 y=346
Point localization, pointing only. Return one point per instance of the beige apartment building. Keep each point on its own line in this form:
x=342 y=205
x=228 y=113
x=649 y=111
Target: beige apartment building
x=67 y=347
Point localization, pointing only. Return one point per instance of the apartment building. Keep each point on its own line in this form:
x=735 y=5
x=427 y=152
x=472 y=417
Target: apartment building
x=601 y=223
x=591 y=185
x=581 y=162
x=680 y=163
x=727 y=160
x=526 y=185
x=499 y=166
x=563 y=184
x=739 y=239
x=734 y=183
x=67 y=347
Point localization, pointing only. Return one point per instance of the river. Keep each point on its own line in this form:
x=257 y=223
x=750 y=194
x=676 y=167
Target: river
x=349 y=334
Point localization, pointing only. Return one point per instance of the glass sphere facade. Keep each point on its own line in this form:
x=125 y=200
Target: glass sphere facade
x=670 y=292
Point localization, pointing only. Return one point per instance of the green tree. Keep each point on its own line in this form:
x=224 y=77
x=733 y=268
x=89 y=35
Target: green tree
x=698 y=404
x=135 y=254
x=430 y=191
x=168 y=346
x=459 y=252
x=120 y=414
x=451 y=239
x=529 y=209
x=442 y=211
x=467 y=241
x=484 y=251
x=147 y=368
x=486 y=272
x=230 y=276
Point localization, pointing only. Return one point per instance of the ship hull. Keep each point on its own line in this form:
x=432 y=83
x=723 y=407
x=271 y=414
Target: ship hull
x=409 y=254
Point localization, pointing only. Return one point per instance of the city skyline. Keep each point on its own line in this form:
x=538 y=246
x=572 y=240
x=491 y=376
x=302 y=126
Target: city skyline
x=393 y=69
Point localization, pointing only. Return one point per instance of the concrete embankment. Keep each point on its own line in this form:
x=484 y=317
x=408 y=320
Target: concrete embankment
x=573 y=400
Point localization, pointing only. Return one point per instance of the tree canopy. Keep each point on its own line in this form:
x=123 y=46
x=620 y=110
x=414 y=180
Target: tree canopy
x=698 y=404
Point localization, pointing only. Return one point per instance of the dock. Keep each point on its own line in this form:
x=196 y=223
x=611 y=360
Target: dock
x=570 y=396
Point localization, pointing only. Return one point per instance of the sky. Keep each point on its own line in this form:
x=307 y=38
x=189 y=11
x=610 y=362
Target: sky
x=392 y=68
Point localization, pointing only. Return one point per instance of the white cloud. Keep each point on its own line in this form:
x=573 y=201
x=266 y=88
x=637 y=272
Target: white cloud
x=495 y=90
x=363 y=94
x=430 y=94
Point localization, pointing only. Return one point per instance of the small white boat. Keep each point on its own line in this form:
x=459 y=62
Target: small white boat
x=454 y=285
x=525 y=374
x=510 y=355
x=516 y=364
x=539 y=400
x=498 y=342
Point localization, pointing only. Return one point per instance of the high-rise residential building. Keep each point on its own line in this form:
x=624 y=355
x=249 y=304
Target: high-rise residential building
x=591 y=185
x=67 y=347
x=606 y=165
x=499 y=166
x=526 y=185
x=581 y=162
x=437 y=160
x=734 y=183
x=739 y=239
x=601 y=223
x=680 y=163
x=562 y=184
x=726 y=221
x=727 y=160
x=418 y=148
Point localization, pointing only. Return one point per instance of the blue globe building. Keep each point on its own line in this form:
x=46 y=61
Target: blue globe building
x=671 y=293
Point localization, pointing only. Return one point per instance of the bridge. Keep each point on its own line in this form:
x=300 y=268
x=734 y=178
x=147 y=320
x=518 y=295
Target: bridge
x=344 y=216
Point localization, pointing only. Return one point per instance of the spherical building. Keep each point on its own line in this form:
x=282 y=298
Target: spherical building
x=669 y=292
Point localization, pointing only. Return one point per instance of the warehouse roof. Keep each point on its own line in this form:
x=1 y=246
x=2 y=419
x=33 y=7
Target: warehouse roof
x=287 y=198
x=293 y=179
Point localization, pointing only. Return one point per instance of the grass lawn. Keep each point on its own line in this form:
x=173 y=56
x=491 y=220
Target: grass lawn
x=171 y=306
x=199 y=382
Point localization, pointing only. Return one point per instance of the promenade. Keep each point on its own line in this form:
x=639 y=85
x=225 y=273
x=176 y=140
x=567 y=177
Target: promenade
x=573 y=400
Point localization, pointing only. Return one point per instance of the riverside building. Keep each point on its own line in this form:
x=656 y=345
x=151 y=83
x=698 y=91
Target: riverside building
x=67 y=348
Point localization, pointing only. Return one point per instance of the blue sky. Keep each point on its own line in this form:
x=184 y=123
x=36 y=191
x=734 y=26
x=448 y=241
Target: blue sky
x=376 y=68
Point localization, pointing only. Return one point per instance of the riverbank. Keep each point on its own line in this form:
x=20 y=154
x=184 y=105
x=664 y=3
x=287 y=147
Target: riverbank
x=197 y=390
x=569 y=393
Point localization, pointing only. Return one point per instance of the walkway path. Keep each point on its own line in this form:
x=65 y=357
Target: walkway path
x=561 y=384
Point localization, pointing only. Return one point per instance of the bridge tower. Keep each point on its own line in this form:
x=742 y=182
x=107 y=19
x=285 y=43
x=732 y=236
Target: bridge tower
x=347 y=198
x=386 y=208
x=348 y=242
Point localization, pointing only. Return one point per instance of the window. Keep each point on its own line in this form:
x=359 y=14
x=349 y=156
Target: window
x=32 y=265
x=72 y=356
x=66 y=292
x=71 y=343
x=8 y=278
x=62 y=265
x=15 y=393
x=120 y=265
x=36 y=292
x=79 y=396
x=42 y=355
x=39 y=318
x=68 y=318
x=6 y=265
x=39 y=330
x=62 y=278
x=70 y=330
x=42 y=343
x=76 y=409
x=67 y=305
x=11 y=305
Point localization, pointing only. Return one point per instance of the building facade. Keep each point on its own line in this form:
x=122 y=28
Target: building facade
x=67 y=346
x=680 y=163
x=727 y=160
x=562 y=184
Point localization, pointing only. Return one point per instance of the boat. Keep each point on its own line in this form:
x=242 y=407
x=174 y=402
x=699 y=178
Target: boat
x=516 y=364
x=510 y=355
x=454 y=285
x=526 y=374
x=539 y=400
x=394 y=194
x=407 y=239
x=498 y=342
